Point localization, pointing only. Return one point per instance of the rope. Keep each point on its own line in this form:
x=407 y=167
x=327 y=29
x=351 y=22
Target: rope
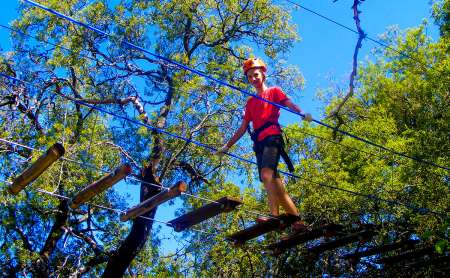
x=223 y=83
x=357 y=33
x=45 y=41
x=356 y=193
x=421 y=210
x=87 y=165
x=88 y=57
x=118 y=211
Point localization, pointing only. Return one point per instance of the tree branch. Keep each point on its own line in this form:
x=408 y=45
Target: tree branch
x=91 y=242
x=178 y=153
x=40 y=266
x=123 y=151
x=195 y=175
x=158 y=146
x=353 y=74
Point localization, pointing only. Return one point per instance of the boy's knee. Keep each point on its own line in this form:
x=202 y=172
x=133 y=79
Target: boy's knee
x=267 y=175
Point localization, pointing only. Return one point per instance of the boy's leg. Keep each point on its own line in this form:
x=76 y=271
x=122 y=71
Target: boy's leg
x=268 y=159
x=271 y=188
x=283 y=198
x=286 y=202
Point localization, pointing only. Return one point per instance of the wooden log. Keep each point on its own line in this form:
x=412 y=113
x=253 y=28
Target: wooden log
x=37 y=168
x=415 y=254
x=225 y=204
x=258 y=229
x=100 y=185
x=381 y=249
x=299 y=238
x=155 y=201
x=438 y=263
x=342 y=241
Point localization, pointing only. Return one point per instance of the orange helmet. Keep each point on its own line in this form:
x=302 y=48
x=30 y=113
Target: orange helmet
x=253 y=63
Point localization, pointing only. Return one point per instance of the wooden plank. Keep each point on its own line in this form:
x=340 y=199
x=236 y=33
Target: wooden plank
x=258 y=229
x=37 y=168
x=299 y=238
x=155 y=201
x=225 y=204
x=415 y=254
x=342 y=241
x=438 y=263
x=381 y=249
x=100 y=185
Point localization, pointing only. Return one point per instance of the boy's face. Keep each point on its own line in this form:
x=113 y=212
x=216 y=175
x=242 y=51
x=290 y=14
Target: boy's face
x=256 y=77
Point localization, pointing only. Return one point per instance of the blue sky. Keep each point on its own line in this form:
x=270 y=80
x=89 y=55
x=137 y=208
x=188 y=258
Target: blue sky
x=325 y=50
x=323 y=54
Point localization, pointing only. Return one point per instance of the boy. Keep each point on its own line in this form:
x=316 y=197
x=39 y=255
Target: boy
x=268 y=143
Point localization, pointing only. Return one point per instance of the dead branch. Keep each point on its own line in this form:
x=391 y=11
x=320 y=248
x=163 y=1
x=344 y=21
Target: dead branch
x=361 y=36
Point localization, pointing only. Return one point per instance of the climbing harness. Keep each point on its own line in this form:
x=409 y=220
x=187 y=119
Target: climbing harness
x=259 y=145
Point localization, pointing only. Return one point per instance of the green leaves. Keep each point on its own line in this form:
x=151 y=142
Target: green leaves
x=441 y=246
x=402 y=103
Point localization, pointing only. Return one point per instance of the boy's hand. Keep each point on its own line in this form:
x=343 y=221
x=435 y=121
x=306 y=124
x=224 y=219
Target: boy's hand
x=222 y=150
x=308 y=117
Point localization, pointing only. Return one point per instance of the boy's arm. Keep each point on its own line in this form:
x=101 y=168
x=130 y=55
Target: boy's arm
x=237 y=135
x=294 y=107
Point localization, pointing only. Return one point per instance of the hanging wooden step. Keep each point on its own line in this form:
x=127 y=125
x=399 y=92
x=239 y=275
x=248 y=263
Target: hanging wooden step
x=441 y=263
x=155 y=201
x=100 y=185
x=37 y=168
x=363 y=235
x=282 y=221
x=299 y=238
x=410 y=255
x=381 y=249
x=225 y=204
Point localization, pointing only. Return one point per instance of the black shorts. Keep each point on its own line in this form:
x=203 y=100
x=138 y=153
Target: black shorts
x=268 y=154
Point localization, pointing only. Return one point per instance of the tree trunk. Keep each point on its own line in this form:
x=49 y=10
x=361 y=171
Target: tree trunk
x=40 y=266
x=132 y=245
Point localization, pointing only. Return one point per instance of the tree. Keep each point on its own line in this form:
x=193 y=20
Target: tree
x=441 y=14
